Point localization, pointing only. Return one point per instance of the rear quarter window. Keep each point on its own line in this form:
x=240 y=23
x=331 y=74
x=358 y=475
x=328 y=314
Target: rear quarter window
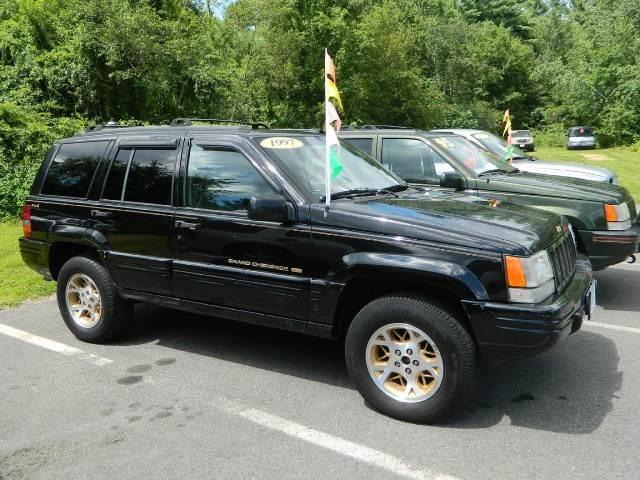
x=72 y=169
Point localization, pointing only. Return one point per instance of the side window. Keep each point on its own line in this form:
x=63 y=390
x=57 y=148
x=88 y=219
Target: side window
x=150 y=176
x=221 y=178
x=71 y=171
x=440 y=164
x=116 y=176
x=410 y=159
x=364 y=144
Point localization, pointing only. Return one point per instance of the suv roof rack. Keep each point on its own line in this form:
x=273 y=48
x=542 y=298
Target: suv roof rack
x=186 y=122
x=100 y=126
x=374 y=127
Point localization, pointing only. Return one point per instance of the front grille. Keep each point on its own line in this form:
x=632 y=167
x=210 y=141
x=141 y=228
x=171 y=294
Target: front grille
x=563 y=258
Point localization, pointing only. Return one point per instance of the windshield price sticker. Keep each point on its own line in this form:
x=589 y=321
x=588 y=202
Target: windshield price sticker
x=281 y=142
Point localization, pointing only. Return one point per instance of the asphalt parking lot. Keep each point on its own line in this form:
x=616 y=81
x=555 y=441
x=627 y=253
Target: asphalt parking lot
x=185 y=396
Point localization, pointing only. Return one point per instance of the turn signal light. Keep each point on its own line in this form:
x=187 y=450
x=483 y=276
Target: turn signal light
x=611 y=213
x=515 y=272
x=26 y=221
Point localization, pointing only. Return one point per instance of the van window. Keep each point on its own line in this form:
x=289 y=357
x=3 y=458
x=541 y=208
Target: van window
x=71 y=171
x=150 y=176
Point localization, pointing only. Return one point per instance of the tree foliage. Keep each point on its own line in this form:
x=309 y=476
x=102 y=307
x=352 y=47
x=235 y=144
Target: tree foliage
x=426 y=63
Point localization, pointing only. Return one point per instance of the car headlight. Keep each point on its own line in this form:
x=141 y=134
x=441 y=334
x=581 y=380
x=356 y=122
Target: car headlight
x=529 y=279
x=618 y=217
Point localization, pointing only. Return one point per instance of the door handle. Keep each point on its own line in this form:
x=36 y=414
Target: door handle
x=100 y=214
x=187 y=225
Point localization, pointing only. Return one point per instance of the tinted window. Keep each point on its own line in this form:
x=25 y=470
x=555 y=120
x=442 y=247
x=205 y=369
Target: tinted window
x=222 y=179
x=364 y=144
x=413 y=160
x=150 y=175
x=117 y=172
x=72 y=169
x=581 y=132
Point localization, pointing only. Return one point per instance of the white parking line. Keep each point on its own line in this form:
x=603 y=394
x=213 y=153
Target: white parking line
x=338 y=445
x=54 y=346
x=609 y=326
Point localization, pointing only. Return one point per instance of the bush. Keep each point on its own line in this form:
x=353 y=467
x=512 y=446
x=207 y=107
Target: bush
x=25 y=137
x=553 y=135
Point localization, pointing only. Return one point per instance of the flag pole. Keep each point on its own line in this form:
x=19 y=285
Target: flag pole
x=327 y=169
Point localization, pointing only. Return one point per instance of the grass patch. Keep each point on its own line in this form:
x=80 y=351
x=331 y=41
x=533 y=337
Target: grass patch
x=17 y=281
x=622 y=160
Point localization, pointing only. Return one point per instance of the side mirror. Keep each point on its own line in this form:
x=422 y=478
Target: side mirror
x=453 y=180
x=268 y=208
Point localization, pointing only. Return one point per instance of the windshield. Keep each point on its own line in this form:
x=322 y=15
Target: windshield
x=466 y=153
x=498 y=146
x=302 y=158
x=521 y=133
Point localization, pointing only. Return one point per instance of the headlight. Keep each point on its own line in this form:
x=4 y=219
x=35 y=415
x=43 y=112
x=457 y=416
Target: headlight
x=529 y=279
x=618 y=217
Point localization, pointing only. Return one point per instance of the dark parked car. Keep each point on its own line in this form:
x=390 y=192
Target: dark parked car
x=603 y=216
x=580 y=137
x=231 y=222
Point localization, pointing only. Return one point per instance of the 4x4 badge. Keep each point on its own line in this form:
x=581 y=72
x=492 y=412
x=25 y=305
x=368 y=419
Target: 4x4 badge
x=558 y=228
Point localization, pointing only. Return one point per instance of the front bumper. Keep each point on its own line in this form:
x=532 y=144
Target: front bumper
x=508 y=331
x=608 y=247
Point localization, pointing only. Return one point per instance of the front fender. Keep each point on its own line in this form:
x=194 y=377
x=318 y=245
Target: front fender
x=456 y=278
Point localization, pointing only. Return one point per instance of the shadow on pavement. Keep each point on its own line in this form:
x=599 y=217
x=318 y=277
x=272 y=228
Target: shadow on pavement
x=618 y=289
x=569 y=389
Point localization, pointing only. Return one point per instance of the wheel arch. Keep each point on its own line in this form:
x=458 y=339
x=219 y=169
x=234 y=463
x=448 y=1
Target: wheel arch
x=442 y=283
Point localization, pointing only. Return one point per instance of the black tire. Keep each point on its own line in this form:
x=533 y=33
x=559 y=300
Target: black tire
x=456 y=347
x=115 y=311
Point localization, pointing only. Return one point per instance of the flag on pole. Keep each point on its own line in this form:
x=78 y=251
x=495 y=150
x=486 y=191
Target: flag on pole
x=332 y=124
x=506 y=121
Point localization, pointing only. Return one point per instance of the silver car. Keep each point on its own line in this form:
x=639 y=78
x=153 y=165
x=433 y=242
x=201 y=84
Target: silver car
x=497 y=146
x=580 y=137
x=524 y=140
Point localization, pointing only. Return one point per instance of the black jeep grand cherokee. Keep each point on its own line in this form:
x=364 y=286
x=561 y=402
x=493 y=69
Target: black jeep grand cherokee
x=230 y=222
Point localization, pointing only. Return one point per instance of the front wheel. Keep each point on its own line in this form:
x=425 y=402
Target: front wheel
x=89 y=301
x=410 y=359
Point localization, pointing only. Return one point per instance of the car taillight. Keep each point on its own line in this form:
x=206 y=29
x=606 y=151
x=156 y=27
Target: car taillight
x=26 y=221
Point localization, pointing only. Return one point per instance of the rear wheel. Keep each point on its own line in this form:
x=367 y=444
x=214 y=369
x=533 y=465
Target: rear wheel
x=410 y=359
x=89 y=301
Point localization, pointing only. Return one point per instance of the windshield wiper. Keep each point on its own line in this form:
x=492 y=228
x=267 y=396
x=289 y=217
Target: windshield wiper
x=362 y=191
x=493 y=170
x=365 y=191
x=391 y=190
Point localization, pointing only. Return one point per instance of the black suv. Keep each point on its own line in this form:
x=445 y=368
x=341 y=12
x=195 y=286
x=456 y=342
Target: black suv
x=231 y=222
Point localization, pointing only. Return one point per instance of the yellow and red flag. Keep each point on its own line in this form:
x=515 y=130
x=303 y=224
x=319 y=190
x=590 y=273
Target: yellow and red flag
x=332 y=124
x=506 y=121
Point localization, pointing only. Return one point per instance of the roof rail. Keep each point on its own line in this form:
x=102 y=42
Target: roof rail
x=375 y=127
x=100 y=126
x=186 y=122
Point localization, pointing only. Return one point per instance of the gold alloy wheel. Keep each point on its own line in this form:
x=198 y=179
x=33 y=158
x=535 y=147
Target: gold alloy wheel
x=404 y=362
x=83 y=300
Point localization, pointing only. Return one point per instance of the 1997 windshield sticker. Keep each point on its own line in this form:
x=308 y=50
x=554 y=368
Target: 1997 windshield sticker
x=281 y=142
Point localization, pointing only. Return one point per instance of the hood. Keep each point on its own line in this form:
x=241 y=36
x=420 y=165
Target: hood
x=575 y=170
x=450 y=218
x=554 y=186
